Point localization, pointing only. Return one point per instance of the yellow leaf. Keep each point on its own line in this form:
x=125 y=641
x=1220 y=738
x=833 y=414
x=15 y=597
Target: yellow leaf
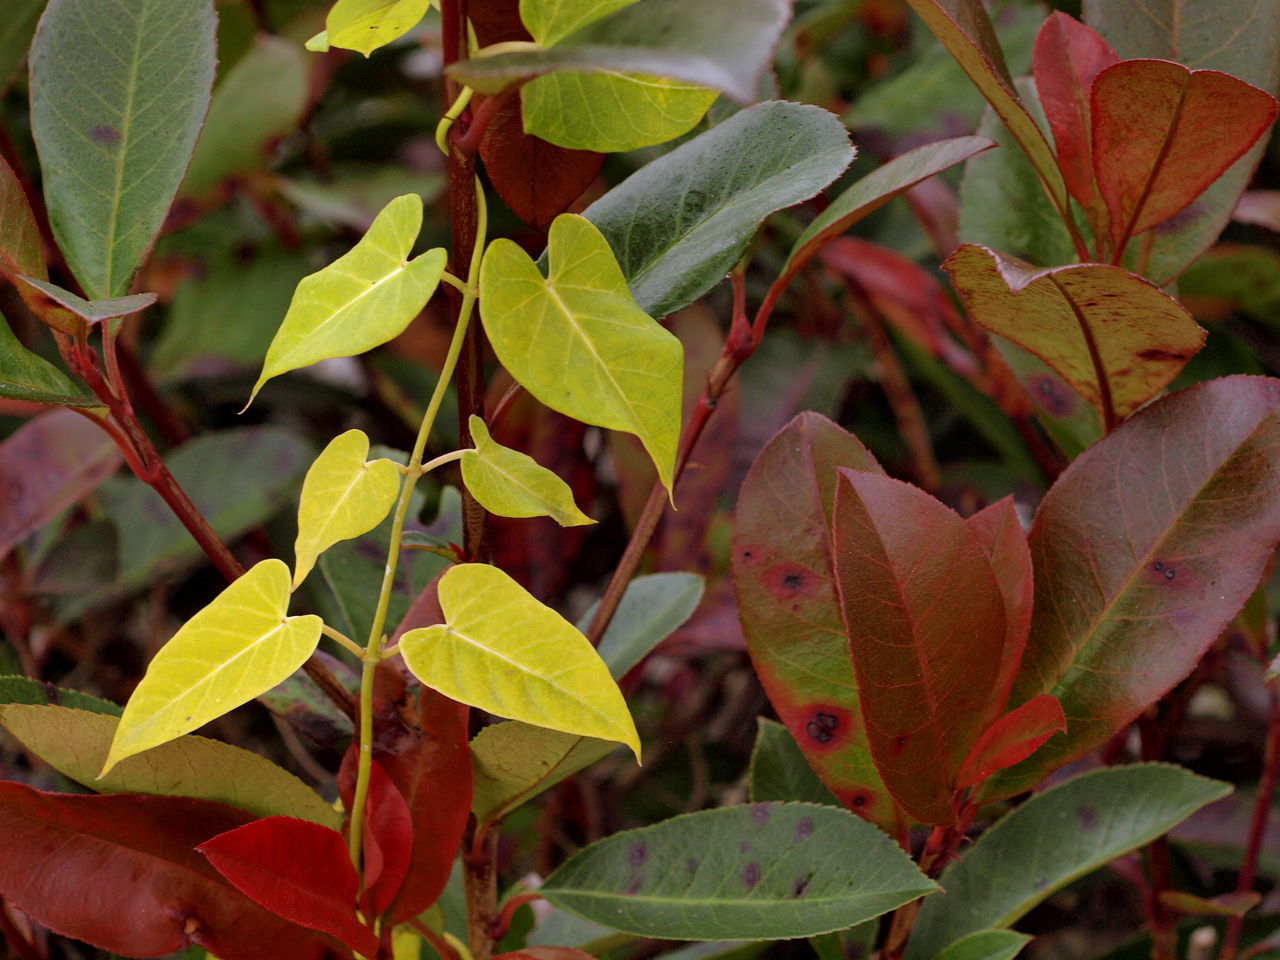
x=503 y=651
x=361 y=300
x=511 y=484
x=366 y=25
x=343 y=496
x=579 y=343
x=239 y=646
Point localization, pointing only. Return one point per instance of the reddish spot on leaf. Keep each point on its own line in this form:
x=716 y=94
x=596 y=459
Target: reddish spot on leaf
x=826 y=726
x=800 y=886
x=804 y=828
x=750 y=875
x=104 y=133
x=633 y=887
x=1052 y=394
x=760 y=813
x=1087 y=817
x=638 y=855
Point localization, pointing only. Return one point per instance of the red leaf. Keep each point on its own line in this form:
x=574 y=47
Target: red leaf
x=1068 y=55
x=1000 y=533
x=388 y=833
x=546 y=953
x=1012 y=738
x=298 y=870
x=790 y=610
x=121 y=872
x=496 y=21
x=537 y=180
x=1162 y=134
x=925 y=621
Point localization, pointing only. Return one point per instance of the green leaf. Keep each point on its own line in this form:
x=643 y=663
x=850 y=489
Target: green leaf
x=879 y=187
x=779 y=770
x=75 y=742
x=550 y=20
x=90 y=311
x=257 y=102
x=1054 y=838
x=361 y=300
x=503 y=651
x=20 y=247
x=25 y=691
x=652 y=608
x=343 y=496
x=763 y=872
x=986 y=945
x=240 y=645
x=16 y=30
x=366 y=25
x=512 y=484
x=680 y=223
x=859 y=941
x=578 y=342
x=115 y=141
x=513 y=762
x=28 y=376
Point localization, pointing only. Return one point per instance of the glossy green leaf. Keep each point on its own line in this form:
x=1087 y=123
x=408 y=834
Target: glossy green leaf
x=115 y=141
x=1115 y=338
x=241 y=644
x=879 y=187
x=1144 y=550
x=20 y=248
x=1056 y=837
x=503 y=651
x=578 y=342
x=366 y=25
x=766 y=871
x=75 y=743
x=361 y=300
x=28 y=376
x=256 y=103
x=24 y=691
x=16 y=30
x=652 y=608
x=550 y=20
x=790 y=610
x=779 y=771
x=680 y=223
x=513 y=762
x=509 y=483
x=90 y=311
x=986 y=945
x=343 y=496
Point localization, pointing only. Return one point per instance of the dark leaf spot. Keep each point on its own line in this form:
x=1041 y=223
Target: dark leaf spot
x=751 y=875
x=638 y=854
x=104 y=133
x=1166 y=356
x=745 y=846
x=633 y=887
x=760 y=813
x=691 y=866
x=822 y=727
x=800 y=886
x=859 y=800
x=792 y=581
x=804 y=828
x=1088 y=816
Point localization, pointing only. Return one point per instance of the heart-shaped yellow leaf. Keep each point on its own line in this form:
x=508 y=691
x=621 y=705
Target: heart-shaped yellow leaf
x=366 y=25
x=361 y=300
x=503 y=651
x=511 y=484
x=343 y=496
x=239 y=646
x=579 y=343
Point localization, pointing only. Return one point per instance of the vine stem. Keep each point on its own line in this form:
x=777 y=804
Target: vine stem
x=372 y=653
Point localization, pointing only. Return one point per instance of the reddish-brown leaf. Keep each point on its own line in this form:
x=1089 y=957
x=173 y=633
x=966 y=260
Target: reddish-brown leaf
x=1068 y=55
x=925 y=622
x=121 y=872
x=1144 y=550
x=536 y=179
x=298 y=870
x=546 y=953
x=1012 y=738
x=1162 y=134
x=790 y=610
x=497 y=21
x=388 y=833
x=1000 y=533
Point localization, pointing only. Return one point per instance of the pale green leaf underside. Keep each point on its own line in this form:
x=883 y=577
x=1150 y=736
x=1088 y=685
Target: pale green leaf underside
x=366 y=25
x=552 y=20
x=91 y=311
x=652 y=608
x=509 y=483
x=577 y=341
x=342 y=497
x=504 y=652
x=75 y=743
x=237 y=647
x=361 y=300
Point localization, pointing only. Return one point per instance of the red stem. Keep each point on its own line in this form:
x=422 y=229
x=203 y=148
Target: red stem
x=22 y=949
x=438 y=943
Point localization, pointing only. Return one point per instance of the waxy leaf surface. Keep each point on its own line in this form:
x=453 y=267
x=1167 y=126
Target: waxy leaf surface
x=790 y=609
x=237 y=647
x=578 y=342
x=764 y=871
x=343 y=496
x=1115 y=338
x=1014 y=737
x=27 y=376
x=680 y=223
x=503 y=651
x=1056 y=837
x=75 y=743
x=512 y=484
x=366 y=25
x=1162 y=134
x=361 y=300
x=115 y=141
x=128 y=878
x=1144 y=550
x=965 y=30
x=925 y=620
x=297 y=870
x=779 y=770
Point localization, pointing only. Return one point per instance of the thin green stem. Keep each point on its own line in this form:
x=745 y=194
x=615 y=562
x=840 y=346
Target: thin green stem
x=455 y=282
x=441 y=460
x=342 y=639
x=373 y=653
